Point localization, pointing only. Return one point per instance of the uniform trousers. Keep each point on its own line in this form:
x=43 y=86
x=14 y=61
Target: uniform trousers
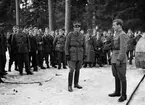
x=74 y=66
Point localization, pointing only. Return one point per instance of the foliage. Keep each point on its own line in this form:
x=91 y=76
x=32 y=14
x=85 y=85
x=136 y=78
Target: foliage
x=131 y=11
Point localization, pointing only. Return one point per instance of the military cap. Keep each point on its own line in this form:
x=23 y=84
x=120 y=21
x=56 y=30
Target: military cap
x=77 y=23
x=16 y=26
x=119 y=21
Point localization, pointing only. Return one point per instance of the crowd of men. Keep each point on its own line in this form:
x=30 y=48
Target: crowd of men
x=29 y=47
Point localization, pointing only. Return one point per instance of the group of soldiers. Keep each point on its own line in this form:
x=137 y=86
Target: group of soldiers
x=99 y=46
x=30 y=47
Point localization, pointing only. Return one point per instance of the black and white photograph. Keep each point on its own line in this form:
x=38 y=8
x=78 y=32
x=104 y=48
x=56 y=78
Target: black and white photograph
x=72 y=52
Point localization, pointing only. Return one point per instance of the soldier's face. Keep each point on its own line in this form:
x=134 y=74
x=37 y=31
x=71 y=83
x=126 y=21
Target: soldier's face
x=15 y=30
x=115 y=26
x=77 y=28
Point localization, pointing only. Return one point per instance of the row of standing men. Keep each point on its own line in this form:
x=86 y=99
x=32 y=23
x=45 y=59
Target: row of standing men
x=32 y=47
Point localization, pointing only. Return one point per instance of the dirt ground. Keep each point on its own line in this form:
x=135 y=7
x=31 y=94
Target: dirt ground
x=49 y=87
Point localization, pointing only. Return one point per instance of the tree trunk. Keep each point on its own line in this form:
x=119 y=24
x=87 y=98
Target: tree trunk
x=17 y=12
x=50 y=9
x=67 y=15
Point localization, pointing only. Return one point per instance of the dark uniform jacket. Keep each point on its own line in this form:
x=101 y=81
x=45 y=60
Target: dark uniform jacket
x=98 y=44
x=39 y=39
x=12 y=44
x=33 y=43
x=108 y=43
x=119 y=47
x=59 y=43
x=75 y=46
x=131 y=43
x=90 y=49
x=48 y=43
x=22 y=43
x=3 y=43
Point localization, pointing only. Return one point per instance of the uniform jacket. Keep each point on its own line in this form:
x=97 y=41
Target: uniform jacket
x=90 y=49
x=119 y=47
x=3 y=43
x=59 y=43
x=33 y=43
x=108 y=43
x=75 y=46
x=48 y=43
x=22 y=43
x=12 y=44
x=131 y=43
x=39 y=40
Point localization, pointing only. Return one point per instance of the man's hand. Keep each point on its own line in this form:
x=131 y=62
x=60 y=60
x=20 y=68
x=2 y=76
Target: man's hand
x=68 y=57
x=118 y=63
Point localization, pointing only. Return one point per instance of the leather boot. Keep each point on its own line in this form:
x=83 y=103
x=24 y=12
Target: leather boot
x=117 y=88
x=130 y=61
x=9 y=67
x=123 y=95
x=48 y=65
x=76 y=79
x=1 y=81
x=85 y=65
x=35 y=68
x=70 y=78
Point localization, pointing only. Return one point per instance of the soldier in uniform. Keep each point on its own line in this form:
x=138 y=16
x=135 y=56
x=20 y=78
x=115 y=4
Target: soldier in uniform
x=119 y=59
x=59 y=43
x=107 y=47
x=47 y=45
x=23 y=49
x=75 y=54
x=3 y=48
x=12 y=49
x=130 y=46
x=53 y=60
x=39 y=39
x=34 y=49
x=98 y=49
x=90 y=49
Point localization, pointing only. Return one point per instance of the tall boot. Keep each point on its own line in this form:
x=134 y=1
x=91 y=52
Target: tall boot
x=85 y=64
x=1 y=81
x=123 y=95
x=10 y=64
x=76 y=79
x=117 y=88
x=109 y=61
x=130 y=61
x=70 y=79
x=48 y=65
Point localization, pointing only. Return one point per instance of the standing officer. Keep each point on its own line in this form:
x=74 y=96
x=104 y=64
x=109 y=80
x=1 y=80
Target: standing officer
x=12 y=49
x=23 y=49
x=75 y=54
x=47 y=45
x=3 y=48
x=34 y=49
x=59 y=43
x=119 y=59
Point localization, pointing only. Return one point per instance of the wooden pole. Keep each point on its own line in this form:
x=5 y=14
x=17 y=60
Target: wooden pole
x=50 y=15
x=67 y=15
x=17 y=13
